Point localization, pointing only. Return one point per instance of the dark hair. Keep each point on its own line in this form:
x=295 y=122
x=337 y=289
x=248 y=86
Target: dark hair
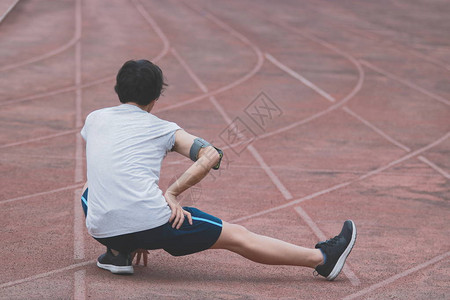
x=139 y=81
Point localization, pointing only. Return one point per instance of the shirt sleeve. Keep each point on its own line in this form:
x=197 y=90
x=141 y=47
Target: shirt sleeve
x=84 y=130
x=169 y=138
x=171 y=141
x=87 y=122
x=164 y=131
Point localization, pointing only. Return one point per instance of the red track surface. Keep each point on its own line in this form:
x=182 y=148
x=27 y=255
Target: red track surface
x=362 y=132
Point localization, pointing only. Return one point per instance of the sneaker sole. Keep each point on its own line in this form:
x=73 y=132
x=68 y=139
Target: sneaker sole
x=341 y=261
x=116 y=269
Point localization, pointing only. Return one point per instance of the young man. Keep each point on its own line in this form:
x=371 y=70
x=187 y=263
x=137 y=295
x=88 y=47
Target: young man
x=126 y=210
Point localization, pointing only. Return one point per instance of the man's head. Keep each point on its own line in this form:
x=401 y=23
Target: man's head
x=139 y=81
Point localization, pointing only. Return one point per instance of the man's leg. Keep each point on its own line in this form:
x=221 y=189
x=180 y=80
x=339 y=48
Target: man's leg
x=265 y=250
x=112 y=260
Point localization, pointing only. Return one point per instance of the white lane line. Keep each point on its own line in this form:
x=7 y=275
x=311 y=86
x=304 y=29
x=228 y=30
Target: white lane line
x=189 y=71
x=281 y=187
x=75 y=39
x=8 y=155
x=227 y=119
x=69 y=187
x=380 y=132
x=50 y=273
x=352 y=277
x=347 y=271
x=344 y=184
x=333 y=107
x=435 y=167
x=78 y=113
x=310 y=223
x=398 y=144
x=406 y=157
x=78 y=226
x=79 y=280
x=293 y=202
x=78 y=236
x=41 y=57
x=42 y=138
x=299 y=77
x=38 y=95
x=79 y=285
x=251 y=73
x=99 y=81
x=10 y=8
x=307 y=170
x=405 y=82
x=377 y=130
x=156 y=28
x=396 y=277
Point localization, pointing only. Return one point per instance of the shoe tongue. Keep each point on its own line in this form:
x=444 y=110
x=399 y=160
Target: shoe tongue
x=319 y=245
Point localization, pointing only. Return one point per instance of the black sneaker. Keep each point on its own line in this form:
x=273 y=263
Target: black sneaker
x=336 y=250
x=120 y=264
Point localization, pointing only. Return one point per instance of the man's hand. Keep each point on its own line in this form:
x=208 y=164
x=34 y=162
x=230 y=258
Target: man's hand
x=178 y=213
x=140 y=253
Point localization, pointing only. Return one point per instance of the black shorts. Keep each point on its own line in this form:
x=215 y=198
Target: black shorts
x=199 y=236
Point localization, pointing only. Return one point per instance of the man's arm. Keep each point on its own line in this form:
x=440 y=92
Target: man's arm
x=183 y=144
x=208 y=157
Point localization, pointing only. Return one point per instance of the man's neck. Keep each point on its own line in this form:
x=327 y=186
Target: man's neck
x=146 y=108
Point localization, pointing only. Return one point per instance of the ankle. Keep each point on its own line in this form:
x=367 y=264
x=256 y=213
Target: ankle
x=114 y=252
x=319 y=258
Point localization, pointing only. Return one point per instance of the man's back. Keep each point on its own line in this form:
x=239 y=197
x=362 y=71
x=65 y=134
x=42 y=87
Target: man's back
x=124 y=148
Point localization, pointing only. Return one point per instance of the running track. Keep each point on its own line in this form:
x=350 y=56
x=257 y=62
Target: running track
x=359 y=128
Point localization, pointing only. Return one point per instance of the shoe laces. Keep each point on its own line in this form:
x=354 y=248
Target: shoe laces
x=331 y=242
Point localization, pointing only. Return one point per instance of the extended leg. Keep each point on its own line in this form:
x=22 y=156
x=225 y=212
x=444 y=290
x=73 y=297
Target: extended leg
x=265 y=250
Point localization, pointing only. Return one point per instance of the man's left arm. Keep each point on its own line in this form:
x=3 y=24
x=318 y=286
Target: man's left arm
x=194 y=148
x=205 y=156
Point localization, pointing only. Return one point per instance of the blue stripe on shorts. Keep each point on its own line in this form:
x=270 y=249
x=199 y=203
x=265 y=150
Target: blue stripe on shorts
x=206 y=220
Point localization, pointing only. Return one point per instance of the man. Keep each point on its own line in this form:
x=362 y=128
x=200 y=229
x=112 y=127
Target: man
x=125 y=146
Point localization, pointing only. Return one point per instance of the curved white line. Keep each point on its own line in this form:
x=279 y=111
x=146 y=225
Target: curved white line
x=57 y=92
x=243 y=39
x=76 y=37
x=333 y=107
x=344 y=184
x=10 y=8
x=79 y=86
x=276 y=181
x=66 y=188
x=50 y=136
x=161 y=54
x=405 y=82
x=300 y=78
x=50 y=273
x=156 y=28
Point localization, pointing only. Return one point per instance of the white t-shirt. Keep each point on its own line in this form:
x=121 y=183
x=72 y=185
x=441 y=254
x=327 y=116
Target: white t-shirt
x=125 y=147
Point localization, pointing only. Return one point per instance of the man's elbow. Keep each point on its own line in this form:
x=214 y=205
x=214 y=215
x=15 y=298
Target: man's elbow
x=216 y=158
x=211 y=156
